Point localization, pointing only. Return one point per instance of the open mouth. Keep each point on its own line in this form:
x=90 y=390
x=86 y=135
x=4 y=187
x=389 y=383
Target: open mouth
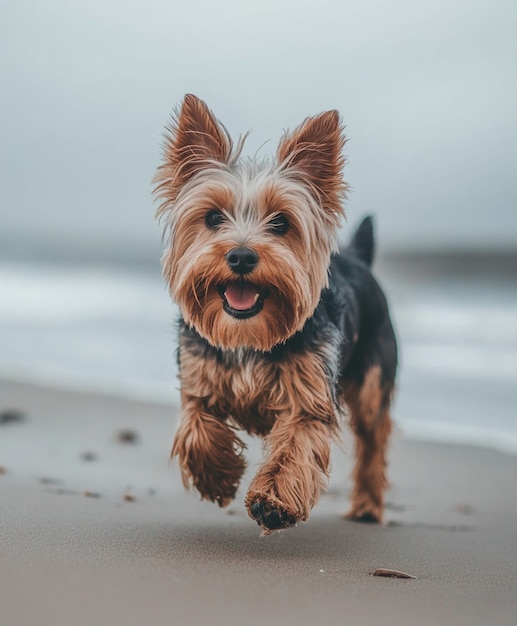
x=242 y=299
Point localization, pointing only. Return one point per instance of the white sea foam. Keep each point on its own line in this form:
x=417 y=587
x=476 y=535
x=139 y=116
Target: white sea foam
x=445 y=432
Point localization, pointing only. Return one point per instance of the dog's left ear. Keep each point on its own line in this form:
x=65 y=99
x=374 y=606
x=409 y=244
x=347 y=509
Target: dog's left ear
x=194 y=141
x=314 y=152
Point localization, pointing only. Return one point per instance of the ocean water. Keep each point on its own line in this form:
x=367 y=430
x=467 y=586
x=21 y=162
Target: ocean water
x=112 y=330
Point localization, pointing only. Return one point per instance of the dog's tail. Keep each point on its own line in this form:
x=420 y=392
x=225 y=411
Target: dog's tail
x=363 y=245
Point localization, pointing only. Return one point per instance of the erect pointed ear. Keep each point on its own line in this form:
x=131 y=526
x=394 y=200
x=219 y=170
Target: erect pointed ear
x=194 y=140
x=314 y=153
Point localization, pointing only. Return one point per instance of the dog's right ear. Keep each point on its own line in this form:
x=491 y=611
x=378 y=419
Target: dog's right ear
x=194 y=140
x=313 y=153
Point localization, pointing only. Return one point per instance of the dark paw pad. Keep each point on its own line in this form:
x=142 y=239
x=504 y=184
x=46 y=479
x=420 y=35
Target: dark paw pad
x=271 y=518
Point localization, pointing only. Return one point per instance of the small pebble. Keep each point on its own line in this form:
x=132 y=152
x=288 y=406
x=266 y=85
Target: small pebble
x=465 y=509
x=47 y=480
x=127 y=436
x=129 y=498
x=8 y=416
x=65 y=492
x=92 y=494
x=2 y=470
x=88 y=456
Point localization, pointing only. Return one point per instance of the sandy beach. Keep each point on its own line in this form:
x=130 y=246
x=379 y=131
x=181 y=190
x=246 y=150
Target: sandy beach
x=96 y=529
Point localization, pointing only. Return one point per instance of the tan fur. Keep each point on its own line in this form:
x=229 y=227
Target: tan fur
x=210 y=454
x=315 y=149
x=371 y=423
x=288 y=402
x=296 y=468
x=194 y=139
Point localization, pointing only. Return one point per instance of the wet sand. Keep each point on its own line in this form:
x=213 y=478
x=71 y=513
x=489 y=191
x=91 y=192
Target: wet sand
x=96 y=529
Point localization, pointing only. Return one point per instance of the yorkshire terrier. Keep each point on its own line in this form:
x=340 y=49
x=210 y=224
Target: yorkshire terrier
x=281 y=334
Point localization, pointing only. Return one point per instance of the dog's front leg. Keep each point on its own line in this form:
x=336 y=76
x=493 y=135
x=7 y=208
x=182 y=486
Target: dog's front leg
x=290 y=481
x=209 y=453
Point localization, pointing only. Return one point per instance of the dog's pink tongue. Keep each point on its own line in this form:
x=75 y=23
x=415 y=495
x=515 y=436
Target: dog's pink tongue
x=241 y=296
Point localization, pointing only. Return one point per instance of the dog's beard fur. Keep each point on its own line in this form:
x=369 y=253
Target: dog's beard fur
x=202 y=172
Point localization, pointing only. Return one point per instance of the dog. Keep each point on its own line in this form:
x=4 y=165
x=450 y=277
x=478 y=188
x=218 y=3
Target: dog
x=281 y=333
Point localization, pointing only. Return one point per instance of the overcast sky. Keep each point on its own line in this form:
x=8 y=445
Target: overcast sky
x=428 y=91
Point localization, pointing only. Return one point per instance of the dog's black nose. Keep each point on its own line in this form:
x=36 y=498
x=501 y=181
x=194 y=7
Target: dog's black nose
x=242 y=260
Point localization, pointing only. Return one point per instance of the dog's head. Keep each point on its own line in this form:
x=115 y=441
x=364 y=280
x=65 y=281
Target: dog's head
x=249 y=242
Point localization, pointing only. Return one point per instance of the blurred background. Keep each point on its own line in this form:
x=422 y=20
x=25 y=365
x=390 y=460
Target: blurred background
x=428 y=93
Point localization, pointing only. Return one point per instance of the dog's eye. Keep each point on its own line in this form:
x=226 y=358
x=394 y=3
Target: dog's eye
x=278 y=225
x=214 y=218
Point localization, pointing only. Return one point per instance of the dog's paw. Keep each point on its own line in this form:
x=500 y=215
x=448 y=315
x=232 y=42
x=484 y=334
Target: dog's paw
x=270 y=517
x=365 y=514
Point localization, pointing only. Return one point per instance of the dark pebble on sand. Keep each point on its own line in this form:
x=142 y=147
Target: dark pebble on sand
x=88 y=456
x=61 y=491
x=9 y=416
x=2 y=470
x=129 y=498
x=92 y=494
x=128 y=436
x=47 y=480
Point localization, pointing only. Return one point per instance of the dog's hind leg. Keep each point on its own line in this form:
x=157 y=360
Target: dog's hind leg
x=368 y=402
